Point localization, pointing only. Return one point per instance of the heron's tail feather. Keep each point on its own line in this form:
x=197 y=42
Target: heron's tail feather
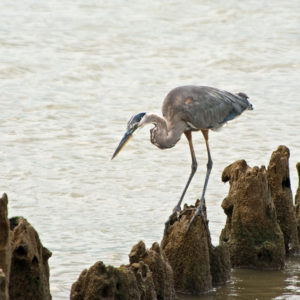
x=245 y=96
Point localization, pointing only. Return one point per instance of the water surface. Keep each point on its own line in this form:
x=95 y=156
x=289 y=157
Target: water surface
x=72 y=74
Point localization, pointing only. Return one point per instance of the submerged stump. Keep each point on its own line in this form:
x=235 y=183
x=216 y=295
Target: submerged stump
x=3 y=286
x=29 y=276
x=196 y=264
x=297 y=201
x=147 y=277
x=24 y=270
x=107 y=282
x=159 y=266
x=252 y=232
x=5 y=253
x=279 y=180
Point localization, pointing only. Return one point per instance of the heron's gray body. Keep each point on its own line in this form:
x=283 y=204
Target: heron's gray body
x=202 y=107
x=186 y=109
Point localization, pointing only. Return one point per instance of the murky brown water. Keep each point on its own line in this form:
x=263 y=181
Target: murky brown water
x=262 y=285
x=73 y=72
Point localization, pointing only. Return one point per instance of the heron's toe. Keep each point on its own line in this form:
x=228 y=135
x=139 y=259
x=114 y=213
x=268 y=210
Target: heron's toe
x=198 y=212
x=177 y=209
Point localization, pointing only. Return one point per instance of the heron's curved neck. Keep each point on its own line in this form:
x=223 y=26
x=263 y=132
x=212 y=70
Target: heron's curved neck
x=164 y=135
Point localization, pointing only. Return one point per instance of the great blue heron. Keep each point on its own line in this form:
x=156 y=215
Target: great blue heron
x=186 y=109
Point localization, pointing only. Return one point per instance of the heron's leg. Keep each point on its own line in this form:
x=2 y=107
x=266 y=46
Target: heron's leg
x=208 y=166
x=199 y=209
x=188 y=135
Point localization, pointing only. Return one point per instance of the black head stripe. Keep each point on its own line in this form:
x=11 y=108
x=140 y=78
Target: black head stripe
x=135 y=119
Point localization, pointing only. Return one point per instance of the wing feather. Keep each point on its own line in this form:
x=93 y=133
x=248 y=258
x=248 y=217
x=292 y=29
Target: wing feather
x=203 y=107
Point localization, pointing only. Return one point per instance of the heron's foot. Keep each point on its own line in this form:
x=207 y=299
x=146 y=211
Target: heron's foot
x=176 y=213
x=198 y=212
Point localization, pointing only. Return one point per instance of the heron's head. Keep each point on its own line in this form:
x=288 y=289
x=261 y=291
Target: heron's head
x=133 y=124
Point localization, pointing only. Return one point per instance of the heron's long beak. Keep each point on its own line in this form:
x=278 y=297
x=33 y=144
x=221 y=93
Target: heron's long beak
x=127 y=136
